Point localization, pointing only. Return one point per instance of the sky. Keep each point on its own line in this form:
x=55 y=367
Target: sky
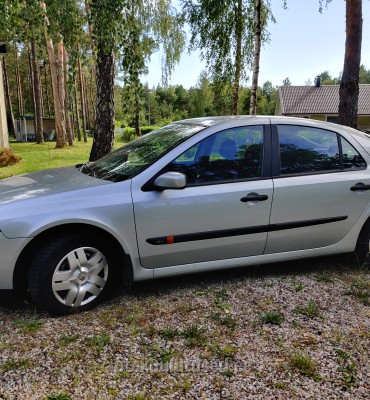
x=303 y=43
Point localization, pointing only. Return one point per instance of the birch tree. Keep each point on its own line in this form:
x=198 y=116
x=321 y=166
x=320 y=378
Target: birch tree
x=223 y=32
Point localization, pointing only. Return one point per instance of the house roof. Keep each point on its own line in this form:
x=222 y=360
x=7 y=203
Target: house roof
x=318 y=100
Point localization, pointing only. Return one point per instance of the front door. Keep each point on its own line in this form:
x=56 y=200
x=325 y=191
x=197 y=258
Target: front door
x=223 y=212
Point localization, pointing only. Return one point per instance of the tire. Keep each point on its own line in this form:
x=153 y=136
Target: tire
x=363 y=247
x=71 y=272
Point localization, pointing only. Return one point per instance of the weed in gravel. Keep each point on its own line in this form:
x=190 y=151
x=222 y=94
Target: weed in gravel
x=280 y=340
x=194 y=336
x=296 y=325
x=304 y=365
x=60 y=396
x=65 y=340
x=31 y=325
x=169 y=333
x=324 y=277
x=162 y=354
x=184 y=386
x=185 y=309
x=220 y=300
x=335 y=336
x=281 y=385
x=224 y=353
x=272 y=318
x=359 y=287
x=224 y=319
x=228 y=373
x=136 y=397
x=311 y=310
x=347 y=367
x=265 y=304
x=98 y=342
x=297 y=286
x=12 y=365
x=150 y=330
x=121 y=375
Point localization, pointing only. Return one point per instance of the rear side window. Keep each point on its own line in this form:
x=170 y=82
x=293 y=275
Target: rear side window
x=351 y=157
x=311 y=150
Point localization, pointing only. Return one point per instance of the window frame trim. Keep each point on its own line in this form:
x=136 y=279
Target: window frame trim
x=267 y=156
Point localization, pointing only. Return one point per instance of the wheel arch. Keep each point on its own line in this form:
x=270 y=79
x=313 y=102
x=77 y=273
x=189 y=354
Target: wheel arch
x=362 y=234
x=22 y=264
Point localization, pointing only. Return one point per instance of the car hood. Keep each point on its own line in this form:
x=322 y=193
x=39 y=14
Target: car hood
x=43 y=183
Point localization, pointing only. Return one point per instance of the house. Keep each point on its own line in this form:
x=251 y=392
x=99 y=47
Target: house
x=25 y=128
x=320 y=102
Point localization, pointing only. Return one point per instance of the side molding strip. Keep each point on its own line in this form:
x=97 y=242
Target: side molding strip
x=191 y=237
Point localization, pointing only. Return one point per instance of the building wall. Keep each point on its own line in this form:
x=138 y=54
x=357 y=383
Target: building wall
x=363 y=122
x=318 y=117
x=25 y=128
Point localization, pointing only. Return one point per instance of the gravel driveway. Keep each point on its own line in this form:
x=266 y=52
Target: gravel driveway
x=283 y=331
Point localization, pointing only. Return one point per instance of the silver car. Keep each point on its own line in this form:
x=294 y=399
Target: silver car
x=197 y=195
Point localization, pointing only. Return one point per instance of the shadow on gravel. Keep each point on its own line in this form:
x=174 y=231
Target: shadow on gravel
x=335 y=264
x=10 y=302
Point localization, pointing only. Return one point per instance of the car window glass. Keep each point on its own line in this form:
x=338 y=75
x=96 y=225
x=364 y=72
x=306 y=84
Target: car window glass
x=305 y=150
x=134 y=157
x=351 y=157
x=228 y=155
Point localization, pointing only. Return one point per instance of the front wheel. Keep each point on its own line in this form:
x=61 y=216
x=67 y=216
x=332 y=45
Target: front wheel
x=70 y=273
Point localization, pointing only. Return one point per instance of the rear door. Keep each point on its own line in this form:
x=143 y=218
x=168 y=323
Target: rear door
x=317 y=198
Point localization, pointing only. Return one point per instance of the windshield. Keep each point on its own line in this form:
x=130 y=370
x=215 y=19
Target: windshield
x=134 y=157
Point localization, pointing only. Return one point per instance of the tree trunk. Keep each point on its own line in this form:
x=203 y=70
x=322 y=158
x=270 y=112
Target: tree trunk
x=8 y=97
x=37 y=94
x=91 y=92
x=82 y=97
x=104 y=120
x=348 y=91
x=60 y=123
x=238 y=57
x=256 y=61
x=77 y=119
x=69 y=126
x=92 y=71
x=32 y=88
x=18 y=82
x=137 y=113
x=47 y=90
x=86 y=91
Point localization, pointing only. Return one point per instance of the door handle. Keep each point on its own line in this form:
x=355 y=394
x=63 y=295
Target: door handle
x=254 y=197
x=360 y=187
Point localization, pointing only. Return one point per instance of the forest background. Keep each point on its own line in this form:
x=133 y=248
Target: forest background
x=83 y=62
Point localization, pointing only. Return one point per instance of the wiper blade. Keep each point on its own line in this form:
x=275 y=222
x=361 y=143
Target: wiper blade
x=87 y=170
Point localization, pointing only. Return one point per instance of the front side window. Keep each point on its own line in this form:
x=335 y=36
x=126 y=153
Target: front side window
x=310 y=150
x=234 y=154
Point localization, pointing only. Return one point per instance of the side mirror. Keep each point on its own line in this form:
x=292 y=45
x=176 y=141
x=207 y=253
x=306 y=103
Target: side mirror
x=170 y=180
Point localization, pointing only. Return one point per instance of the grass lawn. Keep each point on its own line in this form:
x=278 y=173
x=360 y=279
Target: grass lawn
x=44 y=156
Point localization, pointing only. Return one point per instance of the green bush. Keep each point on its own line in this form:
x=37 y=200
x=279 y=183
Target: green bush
x=129 y=132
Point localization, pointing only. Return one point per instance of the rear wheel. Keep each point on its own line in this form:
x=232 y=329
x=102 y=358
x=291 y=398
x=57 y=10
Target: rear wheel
x=71 y=272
